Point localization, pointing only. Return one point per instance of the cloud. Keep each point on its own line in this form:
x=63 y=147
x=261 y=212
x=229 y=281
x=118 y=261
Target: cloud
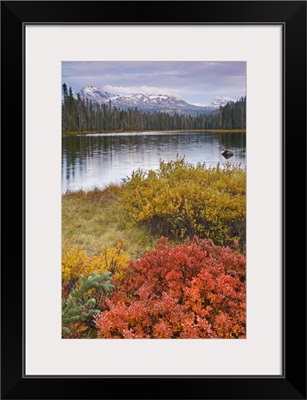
x=193 y=81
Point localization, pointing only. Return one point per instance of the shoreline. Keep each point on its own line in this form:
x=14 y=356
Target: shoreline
x=68 y=133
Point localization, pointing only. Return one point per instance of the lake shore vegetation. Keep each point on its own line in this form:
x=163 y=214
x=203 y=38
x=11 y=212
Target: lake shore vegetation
x=161 y=255
x=139 y=130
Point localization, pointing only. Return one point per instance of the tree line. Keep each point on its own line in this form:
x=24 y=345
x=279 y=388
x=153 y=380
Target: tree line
x=80 y=115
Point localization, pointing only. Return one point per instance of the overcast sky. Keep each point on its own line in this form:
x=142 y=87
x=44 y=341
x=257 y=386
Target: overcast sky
x=195 y=82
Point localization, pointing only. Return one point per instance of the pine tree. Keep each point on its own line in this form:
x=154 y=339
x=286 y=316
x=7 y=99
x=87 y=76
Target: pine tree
x=80 y=115
x=78 y=307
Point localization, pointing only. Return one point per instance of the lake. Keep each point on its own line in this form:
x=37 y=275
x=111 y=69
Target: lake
x=96 y=160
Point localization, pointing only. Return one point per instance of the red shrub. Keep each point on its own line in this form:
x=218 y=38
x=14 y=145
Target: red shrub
x=195 y=290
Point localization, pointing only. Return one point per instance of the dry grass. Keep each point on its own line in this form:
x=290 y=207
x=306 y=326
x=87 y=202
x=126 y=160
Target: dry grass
x=94 y=219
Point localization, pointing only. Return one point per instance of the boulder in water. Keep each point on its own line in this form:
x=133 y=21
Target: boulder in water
x=227 y=154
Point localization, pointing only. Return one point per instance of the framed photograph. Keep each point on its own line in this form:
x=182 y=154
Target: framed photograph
x=163 y=156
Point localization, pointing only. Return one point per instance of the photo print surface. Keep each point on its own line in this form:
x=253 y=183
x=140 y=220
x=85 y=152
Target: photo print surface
x=154 y=200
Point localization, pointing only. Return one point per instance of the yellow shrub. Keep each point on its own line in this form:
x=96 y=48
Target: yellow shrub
x=113 y=259
x=180 y=199
x=75 y=262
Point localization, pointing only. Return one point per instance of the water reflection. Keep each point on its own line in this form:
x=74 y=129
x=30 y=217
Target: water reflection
x=96 y=160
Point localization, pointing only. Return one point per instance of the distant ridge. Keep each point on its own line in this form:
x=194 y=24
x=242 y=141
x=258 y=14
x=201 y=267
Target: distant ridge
x=151 y=102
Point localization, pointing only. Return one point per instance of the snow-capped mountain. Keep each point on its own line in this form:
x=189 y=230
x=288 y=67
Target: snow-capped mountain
x=94 y=94
x=220 y=102
x=150 y=102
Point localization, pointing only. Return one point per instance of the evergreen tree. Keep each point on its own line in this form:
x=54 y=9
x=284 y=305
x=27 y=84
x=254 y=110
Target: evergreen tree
x=84 y=115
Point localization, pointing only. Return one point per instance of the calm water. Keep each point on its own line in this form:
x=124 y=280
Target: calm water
x=96 y=160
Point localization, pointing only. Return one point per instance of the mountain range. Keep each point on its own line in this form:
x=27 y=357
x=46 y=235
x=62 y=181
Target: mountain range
x=151 y=102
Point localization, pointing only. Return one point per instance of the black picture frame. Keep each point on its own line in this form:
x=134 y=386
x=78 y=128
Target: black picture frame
x=292 y=16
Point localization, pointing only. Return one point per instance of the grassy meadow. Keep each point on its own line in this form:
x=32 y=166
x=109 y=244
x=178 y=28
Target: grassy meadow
x=94 y=219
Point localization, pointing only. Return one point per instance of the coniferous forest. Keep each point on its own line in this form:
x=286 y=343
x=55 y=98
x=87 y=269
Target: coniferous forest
x=80 y=115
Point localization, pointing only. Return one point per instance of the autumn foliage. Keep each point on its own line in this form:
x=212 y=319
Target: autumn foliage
x=76 y=262
x=86 y=281
x=181 y=200
x=193 y=290
x=191 y=285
